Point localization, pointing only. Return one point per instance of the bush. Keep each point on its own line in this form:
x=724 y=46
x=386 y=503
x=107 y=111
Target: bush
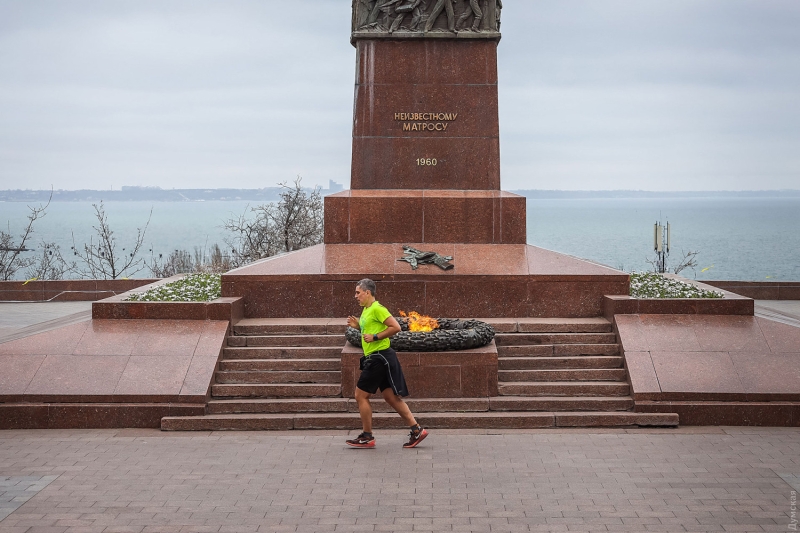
x=652 y=285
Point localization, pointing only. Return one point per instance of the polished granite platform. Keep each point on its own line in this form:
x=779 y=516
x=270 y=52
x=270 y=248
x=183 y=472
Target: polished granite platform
x=109 y=373
x=713 y=370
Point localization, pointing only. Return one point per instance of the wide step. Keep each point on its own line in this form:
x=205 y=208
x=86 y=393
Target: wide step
x=351 y=421
x=544 y=363
x=564 y=388
x=279 y=376
x=290 y=326
x=561 y=403
x=284 y=352
x=520 y=339
x=298 y=390
x=243 y=365
x=558 y=350
x=289 y=405
x=288 y=340
x=572 y=374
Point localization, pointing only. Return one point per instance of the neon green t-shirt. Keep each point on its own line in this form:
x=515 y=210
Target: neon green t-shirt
x=371 y=322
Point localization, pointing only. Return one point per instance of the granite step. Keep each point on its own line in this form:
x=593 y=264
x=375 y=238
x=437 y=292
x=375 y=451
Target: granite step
x=243 y=365
x=279 y=405
x=560 y=403
x=541 y=363
x=563 y=374
x=304 y=341
x=557 y=350
x=285 y=352
x=290 y=405
x=279 y=376
x=447 y=420
x=564 y=388
x=290 y=326
x=297 y=390
x=523 y=339
x=563 y=325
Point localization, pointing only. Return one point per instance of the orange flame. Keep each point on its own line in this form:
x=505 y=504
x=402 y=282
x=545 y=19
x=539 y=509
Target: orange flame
x=418 y=322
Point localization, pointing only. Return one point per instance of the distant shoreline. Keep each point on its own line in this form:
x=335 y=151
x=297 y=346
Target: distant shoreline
x=272 y=194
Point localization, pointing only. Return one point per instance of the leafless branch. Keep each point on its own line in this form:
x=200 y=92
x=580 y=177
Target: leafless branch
x=11 y=250
x=295 y=222
x=102 y=260
x=688 y=260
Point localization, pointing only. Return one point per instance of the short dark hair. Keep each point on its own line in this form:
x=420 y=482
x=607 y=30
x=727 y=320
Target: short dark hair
x=367 y=284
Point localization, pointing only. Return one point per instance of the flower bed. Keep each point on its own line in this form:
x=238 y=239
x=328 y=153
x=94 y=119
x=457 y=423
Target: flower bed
x=652 y=285
x=192 y=288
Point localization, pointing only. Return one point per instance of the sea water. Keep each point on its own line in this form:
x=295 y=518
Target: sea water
x=737 y=238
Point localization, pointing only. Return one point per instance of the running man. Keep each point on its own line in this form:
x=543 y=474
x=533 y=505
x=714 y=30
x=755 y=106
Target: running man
x=380 y=368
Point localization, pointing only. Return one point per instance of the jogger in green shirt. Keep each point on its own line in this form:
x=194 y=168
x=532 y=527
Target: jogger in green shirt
x=380 y=368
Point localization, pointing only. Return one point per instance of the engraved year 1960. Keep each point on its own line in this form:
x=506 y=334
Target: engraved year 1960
x=427 y=162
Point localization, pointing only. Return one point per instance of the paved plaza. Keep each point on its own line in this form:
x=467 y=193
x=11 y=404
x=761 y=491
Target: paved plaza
x=685 y=479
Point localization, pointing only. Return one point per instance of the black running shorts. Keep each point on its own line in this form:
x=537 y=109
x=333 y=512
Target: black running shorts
x=374 y=374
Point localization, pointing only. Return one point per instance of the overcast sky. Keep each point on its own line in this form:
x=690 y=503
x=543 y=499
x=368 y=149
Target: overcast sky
x=594 y=94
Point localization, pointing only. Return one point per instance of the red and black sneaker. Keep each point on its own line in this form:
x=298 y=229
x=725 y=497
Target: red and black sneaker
x=365 y=440
x=416 y=436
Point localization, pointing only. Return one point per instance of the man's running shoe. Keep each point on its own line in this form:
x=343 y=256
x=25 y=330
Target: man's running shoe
x=365 y=440
x=415 y=437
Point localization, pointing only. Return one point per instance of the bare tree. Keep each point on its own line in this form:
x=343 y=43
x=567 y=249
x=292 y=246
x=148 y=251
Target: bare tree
x=50 y=264
x=295 y=222
x=101 y=259
x=11 y=250
x=688 y=260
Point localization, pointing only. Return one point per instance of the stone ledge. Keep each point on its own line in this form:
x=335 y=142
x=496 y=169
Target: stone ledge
x=91 y=415
x=698 y=413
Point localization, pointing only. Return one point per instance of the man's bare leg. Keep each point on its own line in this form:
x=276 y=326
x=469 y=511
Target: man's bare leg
x=398 y=405
x=364 y=409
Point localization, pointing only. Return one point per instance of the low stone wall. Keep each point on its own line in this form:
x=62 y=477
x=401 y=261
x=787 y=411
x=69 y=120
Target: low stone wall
x=761 y=290
x=75 y=290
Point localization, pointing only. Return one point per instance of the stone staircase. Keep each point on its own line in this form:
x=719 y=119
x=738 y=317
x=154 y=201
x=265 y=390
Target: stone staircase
x=280 y=374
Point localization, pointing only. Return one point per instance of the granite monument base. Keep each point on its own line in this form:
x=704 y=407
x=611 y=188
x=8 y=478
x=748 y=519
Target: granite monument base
x=489 y=280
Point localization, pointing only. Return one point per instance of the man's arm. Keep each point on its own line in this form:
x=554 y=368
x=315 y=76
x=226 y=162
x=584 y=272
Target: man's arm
x=392 y=327
x=353 y=322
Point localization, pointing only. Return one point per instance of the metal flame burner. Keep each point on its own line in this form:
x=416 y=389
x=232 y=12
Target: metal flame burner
x=452 y=334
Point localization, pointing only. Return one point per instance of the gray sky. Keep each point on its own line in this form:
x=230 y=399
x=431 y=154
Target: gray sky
x=594 y=94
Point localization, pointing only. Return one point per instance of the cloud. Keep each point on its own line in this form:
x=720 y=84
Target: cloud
x=594 y=94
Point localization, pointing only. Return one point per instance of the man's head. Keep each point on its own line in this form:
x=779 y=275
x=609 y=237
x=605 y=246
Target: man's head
x=365 y=292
